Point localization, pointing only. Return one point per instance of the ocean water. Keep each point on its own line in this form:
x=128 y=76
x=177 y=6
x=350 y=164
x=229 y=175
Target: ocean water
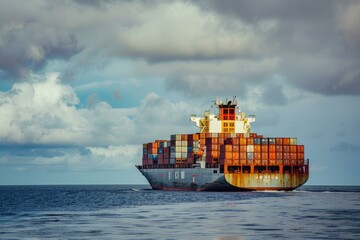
x=136 y=212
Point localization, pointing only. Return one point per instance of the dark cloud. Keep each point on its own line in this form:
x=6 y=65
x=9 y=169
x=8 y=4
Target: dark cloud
x=26 y=46
x=273 y=94
x=318 y=42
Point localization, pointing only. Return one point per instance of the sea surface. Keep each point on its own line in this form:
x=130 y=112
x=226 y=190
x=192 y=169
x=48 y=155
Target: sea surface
x=137 y=212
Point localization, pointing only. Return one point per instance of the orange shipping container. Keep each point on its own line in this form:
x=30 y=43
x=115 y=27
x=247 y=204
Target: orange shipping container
x=242 y=148
x=242 y=141
x=286 y=148
x=236 y=162
x=272 y=162
x=279 y=141
x=257 y=156
x=293 y=156
x=242 y=155
x=228 y=148
x=264 y=148
x=236 y=155
x=279 y=148
x=264 y=156
x=279 y=161
x=249 y=141
x=228 y=155
x=236 y=141
x=279 y=155
x=235 y=148
x=257 y=148
x=243 y=162
x=300 y=156
x=286 y=156
x=272 y=156
x=293 y=148
x=272 y=148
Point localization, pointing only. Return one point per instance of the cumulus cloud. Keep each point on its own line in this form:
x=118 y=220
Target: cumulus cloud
x=41 y=124
x=44 y=111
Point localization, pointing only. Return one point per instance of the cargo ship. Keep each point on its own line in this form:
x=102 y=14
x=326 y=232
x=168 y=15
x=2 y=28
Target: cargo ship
x=224 y=155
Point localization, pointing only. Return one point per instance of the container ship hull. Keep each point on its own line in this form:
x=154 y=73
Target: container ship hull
x=224 y=156
x=210 y=179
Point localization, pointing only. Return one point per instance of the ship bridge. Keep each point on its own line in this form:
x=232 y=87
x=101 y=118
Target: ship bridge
x=230 y=119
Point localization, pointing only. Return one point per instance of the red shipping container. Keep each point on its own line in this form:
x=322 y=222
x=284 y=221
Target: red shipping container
x=272 y=162
x=257 y=156
x=293 y=148
x=286 y=141
x=286 y=156
x=272 y=156
x=293 y=156
x=300 y=148
x=279 y=155
x=279 y=141
x=166 y=160
x=279 y=148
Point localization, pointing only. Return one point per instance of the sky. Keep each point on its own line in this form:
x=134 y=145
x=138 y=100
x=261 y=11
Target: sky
x=83 y=84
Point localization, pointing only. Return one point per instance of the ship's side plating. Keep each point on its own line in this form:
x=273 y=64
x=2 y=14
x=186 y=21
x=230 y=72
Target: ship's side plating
x=210 y=179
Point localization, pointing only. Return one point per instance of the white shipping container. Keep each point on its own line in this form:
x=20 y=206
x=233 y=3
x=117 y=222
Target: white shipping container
x=293 y=141
x=250 y=148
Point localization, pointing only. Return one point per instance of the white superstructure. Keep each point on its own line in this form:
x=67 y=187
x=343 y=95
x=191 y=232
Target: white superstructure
x=230 y=119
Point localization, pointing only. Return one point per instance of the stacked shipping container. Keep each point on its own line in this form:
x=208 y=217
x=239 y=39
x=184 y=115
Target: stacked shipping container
x=232 y=149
